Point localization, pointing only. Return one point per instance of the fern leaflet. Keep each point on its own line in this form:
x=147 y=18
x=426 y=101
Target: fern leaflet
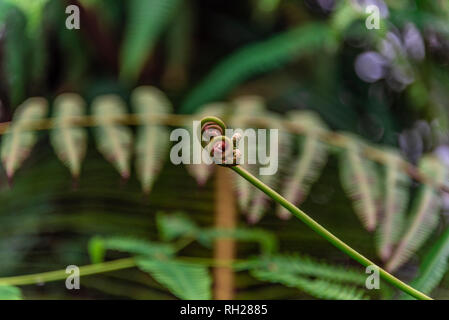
x=424 y=217
x=186 y=281
x=360 y=181
x=396 y=195
x=17 y=141
x=10 y=293
x=69 y=142
x=152 y=140
x=307 y=168
x=114 y=141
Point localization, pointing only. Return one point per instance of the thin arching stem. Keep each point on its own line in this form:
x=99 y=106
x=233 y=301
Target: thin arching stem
x=61 y=274
x=315 y=226
x=103 y=267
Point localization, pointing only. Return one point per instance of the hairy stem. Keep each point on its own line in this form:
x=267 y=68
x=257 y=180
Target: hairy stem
x=315 y=226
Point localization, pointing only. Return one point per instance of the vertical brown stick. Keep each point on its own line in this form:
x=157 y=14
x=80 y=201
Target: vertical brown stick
x=224 y=249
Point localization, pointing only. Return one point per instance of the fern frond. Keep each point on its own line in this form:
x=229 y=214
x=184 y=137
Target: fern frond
x=18 y=142
x=175 y=225
x=257 y=58
x=146 y=21
x=178 y=45
x=136 y=246
x=433 y=267
x=114 y=141
x=15 y=49
x=307 y=167
x=396 y=194
x=318 y=279
x=69 y=141
x=322 y=289
x=152 y=140
x=424 y=216
x=33 y=12
x=360 y=182
x=260 y=201
x=186 y=281
x=246 y=107
x=10 y=293
x=96 y=249
x=306 y=266
x=202 y=171
x=267 y=241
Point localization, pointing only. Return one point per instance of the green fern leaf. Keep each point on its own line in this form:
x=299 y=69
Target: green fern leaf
x=201 y=172
x=175 y=225
x=69 y=141
x=178 y=47
x=307 y=168
x=424 y=216
x=396 y=195
x=322 y=289
x=96 y=249
x=17 y=141
x=152 y=140
x=33 y=11
x=186 y=281
x=10 y=293
x=146 y=21
x=137 y=246
x=306 y=266
x=433 y=267
x=360 y=182
x=267 y=241
x=14 y=51
x=257 y=58
x=318 y=279
x=114 y=141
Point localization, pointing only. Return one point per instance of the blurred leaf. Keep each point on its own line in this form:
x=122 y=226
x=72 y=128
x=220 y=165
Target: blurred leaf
x=424 y=214
x=137 y=246
x=318 y=279
x=17 y=141
x=396 y=195
x=186 y=281
x=114 y=141
x=245 y=108
x=96 y=250
x=323 y=289
x=15 y=55
x=146 y=21
x=433 y=267
x=173 y=226
x=257 y=58
x=33 y=11
x=68 y=140
x=260 y=202
x=360 y=181
x=10 y=293
x=152 y=140
x=267 y=241
x=308 y=165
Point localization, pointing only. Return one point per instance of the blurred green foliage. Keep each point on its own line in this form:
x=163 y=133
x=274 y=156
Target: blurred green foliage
x=296 y=54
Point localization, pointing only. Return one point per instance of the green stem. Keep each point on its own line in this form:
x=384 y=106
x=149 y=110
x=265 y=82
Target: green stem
x=61 y=274
x=315 y=226
x=101 y=268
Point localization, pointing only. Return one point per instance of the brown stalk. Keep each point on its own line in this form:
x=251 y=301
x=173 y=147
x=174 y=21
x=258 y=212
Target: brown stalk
x=224 y=248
